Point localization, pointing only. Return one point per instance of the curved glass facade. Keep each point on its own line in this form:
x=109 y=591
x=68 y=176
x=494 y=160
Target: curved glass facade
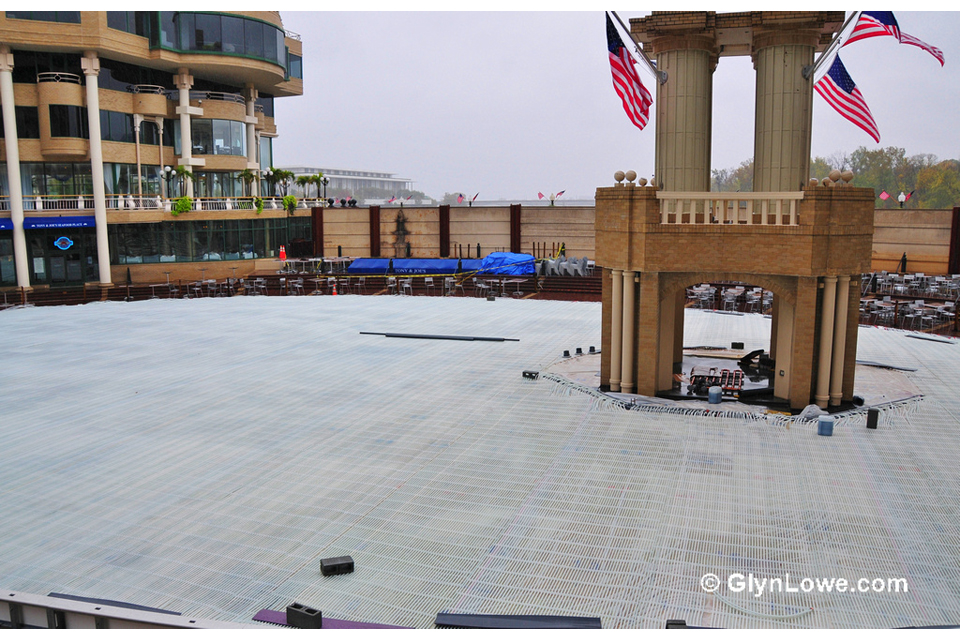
x=219 y=33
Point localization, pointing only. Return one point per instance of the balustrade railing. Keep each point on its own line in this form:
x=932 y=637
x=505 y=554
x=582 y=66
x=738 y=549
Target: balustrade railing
x=151 y=202
x=771 y=209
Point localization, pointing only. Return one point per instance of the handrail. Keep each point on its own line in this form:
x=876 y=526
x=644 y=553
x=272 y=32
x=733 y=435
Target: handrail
x=712 y=207
x=58 y=76
x=147 y=202
x=217 y=95
x=147 y=88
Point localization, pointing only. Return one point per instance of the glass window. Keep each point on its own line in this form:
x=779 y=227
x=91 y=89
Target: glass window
x=202 y=133
x=221 y=137
x=208 y=32
x=270 y=50
x=295 y=66
x=188 y=33
x=149 y=134
x=238 y=141
x=46 y=16
x=28 y=123
x=68 y=121
x=117 y=20
x=59 y=179
x=168 y=29
x=253 y=36
x=233 y=40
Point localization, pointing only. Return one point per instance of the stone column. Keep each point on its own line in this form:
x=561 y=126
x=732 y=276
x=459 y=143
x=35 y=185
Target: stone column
x=629 y=312
x=684 y=106
x=183 y=82
x=616 y=330
x=12 y=145
x=253 y=162
x=827 y=310
x=784 y=108
x=839 y=340
x=91 y=71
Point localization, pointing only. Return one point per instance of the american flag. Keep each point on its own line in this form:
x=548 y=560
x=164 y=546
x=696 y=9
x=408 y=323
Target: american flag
x=883 y=23
x=872 y=24
x=936 y=53
x=636 y=99
x=560 y=193
x=459 y=198
x=839 y=90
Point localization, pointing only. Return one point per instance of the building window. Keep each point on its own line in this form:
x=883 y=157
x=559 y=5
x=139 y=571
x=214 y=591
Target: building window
x=68 y=121
x=116 y=126
x=135 y=22
x=72 y=17
x=215 y=33
x=294 y=66
x=214 y=137
x=28 y=123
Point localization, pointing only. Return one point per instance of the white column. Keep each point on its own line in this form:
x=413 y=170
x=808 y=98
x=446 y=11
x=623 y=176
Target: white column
x=629 y=311
x=13 y=167
x=163 y=182
x=839 y=340
x=91 y=70
x=253 y=161
x=184 y=81
x=137 y=121
x=616 y=328
x=822 y=395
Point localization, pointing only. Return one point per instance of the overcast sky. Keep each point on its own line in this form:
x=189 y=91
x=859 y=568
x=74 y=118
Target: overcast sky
x=511 y=103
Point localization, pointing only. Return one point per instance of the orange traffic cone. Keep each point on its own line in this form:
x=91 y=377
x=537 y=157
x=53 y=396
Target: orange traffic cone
x=283 y=253
x=334 y=287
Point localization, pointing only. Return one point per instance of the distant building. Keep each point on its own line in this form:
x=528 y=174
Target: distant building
x=352 y=181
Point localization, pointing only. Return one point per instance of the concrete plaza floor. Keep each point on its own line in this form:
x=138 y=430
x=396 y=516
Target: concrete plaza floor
x=203 y=456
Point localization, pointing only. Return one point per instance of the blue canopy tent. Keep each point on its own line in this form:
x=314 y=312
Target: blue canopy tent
x=369 y=266
x=508 y=264
x=425 y=267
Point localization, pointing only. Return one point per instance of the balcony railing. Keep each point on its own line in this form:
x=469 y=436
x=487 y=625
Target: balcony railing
x=58 y=76
x=133 y=202
x=775 y=209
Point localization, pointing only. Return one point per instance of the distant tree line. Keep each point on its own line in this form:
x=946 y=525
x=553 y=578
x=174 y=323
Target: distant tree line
x=935 y=183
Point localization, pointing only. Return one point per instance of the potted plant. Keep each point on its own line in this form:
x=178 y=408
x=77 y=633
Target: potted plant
x=290 y=204
x=182 y=205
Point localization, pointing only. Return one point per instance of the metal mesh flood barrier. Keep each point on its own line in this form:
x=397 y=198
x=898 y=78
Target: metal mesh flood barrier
x=203 y=456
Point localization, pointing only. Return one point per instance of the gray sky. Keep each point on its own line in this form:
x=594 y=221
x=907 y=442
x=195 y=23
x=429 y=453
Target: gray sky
x=511 y=103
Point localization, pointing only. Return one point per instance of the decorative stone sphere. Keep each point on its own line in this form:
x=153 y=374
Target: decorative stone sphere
x=813 y=182
x=618 y=176
x=631 y=176
x=847 y=176
x=642 y=182
x=827 y=182
x=834 y=175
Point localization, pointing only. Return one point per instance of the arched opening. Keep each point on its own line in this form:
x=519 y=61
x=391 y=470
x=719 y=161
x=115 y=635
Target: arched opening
x=704 y=348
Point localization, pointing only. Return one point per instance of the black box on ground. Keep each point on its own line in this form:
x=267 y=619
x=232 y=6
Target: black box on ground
x=303 y=617
x=336 y=566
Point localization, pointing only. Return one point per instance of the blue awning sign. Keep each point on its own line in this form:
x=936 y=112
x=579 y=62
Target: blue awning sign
x=6 y=224
x=60 y=222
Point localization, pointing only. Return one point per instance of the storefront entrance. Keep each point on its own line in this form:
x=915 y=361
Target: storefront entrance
x=63 y=257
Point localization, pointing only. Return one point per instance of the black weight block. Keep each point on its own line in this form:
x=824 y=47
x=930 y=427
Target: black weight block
x=336 y=566
x=303 y=617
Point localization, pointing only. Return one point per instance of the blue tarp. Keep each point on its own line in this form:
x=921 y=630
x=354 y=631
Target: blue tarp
x=470 y=265
x=371 y=266
x=424 y=267
x=508 y=264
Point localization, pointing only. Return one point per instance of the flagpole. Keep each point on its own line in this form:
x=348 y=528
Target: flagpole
x=810 y=70
x=661 y=76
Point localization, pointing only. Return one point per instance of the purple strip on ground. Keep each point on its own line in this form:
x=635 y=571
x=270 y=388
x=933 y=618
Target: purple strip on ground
x=280 y=617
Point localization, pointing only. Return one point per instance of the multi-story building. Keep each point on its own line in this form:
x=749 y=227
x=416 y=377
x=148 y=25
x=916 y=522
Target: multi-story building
x=100 y=108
